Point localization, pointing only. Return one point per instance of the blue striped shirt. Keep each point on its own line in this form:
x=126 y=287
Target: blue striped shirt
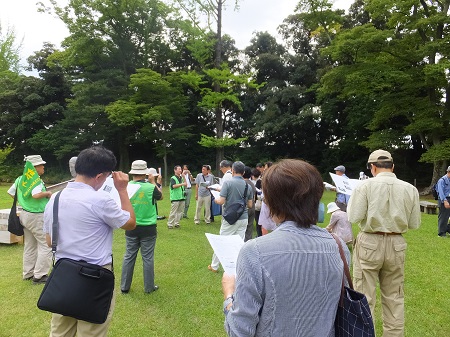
x=288 y=283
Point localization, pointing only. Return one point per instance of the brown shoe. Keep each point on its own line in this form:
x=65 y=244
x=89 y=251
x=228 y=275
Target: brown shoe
x=212 y=269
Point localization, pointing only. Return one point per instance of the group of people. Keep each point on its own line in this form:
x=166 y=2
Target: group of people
x=286 y=283
x=289 y=283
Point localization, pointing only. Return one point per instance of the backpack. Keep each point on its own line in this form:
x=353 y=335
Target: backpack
x=434 y=192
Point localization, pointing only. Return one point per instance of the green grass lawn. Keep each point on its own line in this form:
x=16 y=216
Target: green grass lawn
x=189 y=301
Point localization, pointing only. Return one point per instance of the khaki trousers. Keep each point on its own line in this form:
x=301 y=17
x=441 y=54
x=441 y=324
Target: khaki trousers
x=65 y=326
x=381 y=258
x=203 y=201
x=176 y=213
x=37 y=255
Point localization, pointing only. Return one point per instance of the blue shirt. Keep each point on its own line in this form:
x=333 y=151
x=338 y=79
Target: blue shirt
x=443 y=188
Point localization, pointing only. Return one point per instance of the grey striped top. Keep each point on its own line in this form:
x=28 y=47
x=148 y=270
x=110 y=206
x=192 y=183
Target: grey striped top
x=288 y=283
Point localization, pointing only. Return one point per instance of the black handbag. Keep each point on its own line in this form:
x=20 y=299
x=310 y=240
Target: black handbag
x=353 y=317
x=76 y=288
x=14 y=225
x=232 y=212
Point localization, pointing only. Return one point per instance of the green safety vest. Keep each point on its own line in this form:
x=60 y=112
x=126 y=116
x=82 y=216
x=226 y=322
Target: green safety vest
x=143 y=204
x=29 y=203
x=177 y=193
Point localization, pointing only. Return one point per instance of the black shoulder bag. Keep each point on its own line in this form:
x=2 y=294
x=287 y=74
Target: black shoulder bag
x=76 y=288
x=353 y=317
x=14 y=225
x=232 y=212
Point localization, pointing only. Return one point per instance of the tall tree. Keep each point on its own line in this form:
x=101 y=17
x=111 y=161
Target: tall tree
x=108 y=41
x=154 y=111
x=213 y=10
x=402 y=69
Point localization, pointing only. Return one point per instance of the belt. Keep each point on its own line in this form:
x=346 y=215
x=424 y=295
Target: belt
x=188 y=188
x=383 y=233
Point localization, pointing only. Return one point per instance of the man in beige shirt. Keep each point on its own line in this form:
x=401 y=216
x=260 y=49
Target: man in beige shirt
x=384 y=207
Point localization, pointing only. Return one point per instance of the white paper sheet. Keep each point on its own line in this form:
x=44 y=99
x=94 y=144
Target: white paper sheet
x=215 y=193
x=226 y=248
x=344 y=185
x=109 y=188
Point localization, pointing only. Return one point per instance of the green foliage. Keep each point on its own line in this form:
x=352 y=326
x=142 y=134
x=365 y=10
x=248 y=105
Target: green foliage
x=9 y=50
x=4 y=153
x=214 y=142
x=438 y=152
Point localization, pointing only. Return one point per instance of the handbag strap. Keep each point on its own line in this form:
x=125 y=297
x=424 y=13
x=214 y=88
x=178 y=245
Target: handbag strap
x=13 y=207
x=208 y=188
x=245 y=191
x=55 y=226
x=344 y=260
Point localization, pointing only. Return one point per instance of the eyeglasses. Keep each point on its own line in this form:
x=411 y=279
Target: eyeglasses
x=369 y=166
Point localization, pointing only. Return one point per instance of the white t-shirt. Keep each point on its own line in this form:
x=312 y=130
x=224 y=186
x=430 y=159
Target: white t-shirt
x=36 y=190
x=227 y=176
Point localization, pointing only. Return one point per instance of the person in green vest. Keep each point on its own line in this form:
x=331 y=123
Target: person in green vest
x=177 y=197
x=144 y=235
x=37 y=255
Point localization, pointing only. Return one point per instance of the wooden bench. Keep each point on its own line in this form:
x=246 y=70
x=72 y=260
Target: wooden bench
x=428 y=207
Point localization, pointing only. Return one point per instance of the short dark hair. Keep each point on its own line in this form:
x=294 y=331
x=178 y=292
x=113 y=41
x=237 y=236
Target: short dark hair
x=269 y=164
x=260 y=165
x=256 y=173
x=95 y=160
x=175 y=167
x=247 y=173
x=238 y=167
x=292 y=190
x=208 y=167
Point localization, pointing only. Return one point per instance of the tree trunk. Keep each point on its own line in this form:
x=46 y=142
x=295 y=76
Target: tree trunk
x=217 y=63
x=124 y=159
x=165 y=165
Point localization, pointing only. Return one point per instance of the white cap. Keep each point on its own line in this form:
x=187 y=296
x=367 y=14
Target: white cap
x=332 y=207
x=153 y=172
x=35 y=160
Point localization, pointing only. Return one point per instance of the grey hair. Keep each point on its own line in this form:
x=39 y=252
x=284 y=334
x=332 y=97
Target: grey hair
x=238 y=167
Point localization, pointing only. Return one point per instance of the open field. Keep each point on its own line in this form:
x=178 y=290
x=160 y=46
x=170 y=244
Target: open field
x=189 y=301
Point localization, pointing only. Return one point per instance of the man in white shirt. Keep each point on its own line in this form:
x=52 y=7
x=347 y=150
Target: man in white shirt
x=87 y=219
x=188 y=190
x=225 y=167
